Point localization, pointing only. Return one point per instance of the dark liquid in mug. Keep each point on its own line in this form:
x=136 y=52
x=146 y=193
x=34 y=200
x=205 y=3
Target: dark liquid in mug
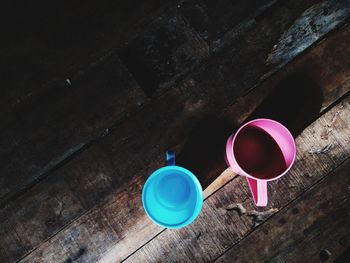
x=258 y=154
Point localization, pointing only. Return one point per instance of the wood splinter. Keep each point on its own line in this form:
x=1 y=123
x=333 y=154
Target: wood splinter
x=258 y=217
x=325 y=149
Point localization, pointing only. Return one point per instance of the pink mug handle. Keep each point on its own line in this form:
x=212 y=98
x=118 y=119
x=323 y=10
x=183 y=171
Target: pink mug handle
x=258 y=189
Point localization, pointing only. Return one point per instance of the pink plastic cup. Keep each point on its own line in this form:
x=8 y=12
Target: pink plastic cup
x=262 y=150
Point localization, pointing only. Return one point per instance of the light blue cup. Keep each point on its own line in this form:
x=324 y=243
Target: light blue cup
x=172 y=196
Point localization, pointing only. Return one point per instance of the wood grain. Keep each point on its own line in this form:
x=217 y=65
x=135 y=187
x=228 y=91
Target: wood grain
x=102 y=173
x=220 y=226
x=124 y=210
x=312 y=228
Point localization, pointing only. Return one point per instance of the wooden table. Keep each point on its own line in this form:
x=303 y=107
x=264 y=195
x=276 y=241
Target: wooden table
x=93 y=96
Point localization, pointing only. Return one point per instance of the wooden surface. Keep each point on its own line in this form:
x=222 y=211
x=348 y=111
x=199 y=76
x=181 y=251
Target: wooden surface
x=225 y=81
x=78 y=141
x=220 y=227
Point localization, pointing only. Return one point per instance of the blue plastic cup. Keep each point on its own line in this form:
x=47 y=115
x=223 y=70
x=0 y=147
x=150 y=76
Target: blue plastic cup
x=172 y=196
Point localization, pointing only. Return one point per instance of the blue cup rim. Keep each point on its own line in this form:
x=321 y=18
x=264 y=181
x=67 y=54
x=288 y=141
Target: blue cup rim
x=199 y=196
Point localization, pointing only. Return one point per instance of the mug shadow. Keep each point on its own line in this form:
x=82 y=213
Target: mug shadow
x=295 y=102
x=203 y=152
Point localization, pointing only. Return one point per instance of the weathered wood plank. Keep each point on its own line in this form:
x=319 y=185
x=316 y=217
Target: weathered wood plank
x=44 y=43
x=63 y=121
x=102 y=172
x=124 y=210
x=306 y=29
x=293 y=22
x=220 y=226
x=311 y=229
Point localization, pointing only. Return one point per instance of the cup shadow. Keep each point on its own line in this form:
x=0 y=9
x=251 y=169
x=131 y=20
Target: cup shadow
x=295 y=102
x=203 y=152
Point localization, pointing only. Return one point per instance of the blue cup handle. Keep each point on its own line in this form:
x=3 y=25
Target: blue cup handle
x=170 y=158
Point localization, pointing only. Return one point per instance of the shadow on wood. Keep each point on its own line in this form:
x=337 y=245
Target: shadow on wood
x=203 y=153
x=295 y=102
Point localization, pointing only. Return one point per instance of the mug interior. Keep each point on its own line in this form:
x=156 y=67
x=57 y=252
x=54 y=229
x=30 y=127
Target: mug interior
x=264 y=149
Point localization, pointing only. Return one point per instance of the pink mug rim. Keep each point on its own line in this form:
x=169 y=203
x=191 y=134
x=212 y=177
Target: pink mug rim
x=229 y=150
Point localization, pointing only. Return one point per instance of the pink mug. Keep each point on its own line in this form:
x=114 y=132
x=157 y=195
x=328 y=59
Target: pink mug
x=262 y=150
